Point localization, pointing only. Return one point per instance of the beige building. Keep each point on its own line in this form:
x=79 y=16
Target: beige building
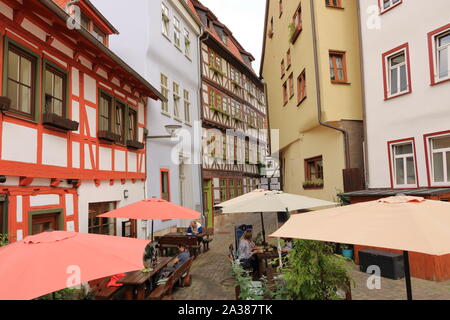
x=311 y=64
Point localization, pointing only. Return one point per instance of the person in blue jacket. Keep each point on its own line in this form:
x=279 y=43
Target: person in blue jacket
x=195 y=228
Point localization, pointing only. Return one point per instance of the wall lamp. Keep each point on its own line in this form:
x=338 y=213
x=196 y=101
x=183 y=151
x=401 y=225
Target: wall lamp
x=172 y=130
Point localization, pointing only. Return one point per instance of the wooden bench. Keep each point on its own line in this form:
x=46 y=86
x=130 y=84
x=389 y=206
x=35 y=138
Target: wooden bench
x=181 y=275
x=207 y=239
x=191 y=244
x=100 y=290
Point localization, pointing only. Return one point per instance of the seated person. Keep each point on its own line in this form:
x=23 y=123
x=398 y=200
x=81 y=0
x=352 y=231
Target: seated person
x=247 y=251
x=195 y=228
x=288 y=243
x=182 y=257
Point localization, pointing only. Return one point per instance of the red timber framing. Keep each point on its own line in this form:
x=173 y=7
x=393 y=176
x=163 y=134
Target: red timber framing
x=88 y=68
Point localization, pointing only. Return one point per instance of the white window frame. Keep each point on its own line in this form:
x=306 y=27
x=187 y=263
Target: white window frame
x=187 y=39
x=165 y=25
x=389 y=68
x=431 y=162
x=176 y=101
x=165 y=87
x=177 y=32
x=187 y=107
x=392 y=4
x=436 y=50
x=394 y=157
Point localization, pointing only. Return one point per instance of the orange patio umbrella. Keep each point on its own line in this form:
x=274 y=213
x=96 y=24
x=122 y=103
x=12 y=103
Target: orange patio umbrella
x=153 y=209
x=52 y=261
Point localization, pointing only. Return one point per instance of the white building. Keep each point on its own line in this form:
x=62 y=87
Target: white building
x=407 y=93
x=165 y=50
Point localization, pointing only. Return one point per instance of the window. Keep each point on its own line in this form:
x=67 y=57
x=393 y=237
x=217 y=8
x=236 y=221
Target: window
x=338 y=71
x=85 y=22
x=314 y=169
x=21 y=81
x=187 y=107
x=43 y=222
x=440 y=160
x=333 y=3
x=165 y=184
x=119 y=127
x=281 y=7
x=176 y=32
x=271 y=30
x=386 y=5
x=291 y=85
x=288 y=59
x=285 y=93
x=296 y=24
x=396 y=72
x=132 y=125
x=176 y=100
x=98 y=34
x=165 y=20
x=283 y=68
x=215 y=61
x=232 y=189
x=403 y=163
x=104 y=226
x=105 y=112
x=223 y=190
x=439 y=47
x=55 y=91
x=187 y=43
x=301 y=87
x=165 y=93
x=212 y=98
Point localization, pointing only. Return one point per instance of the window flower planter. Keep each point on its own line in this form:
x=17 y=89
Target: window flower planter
x=294 y=32
x=108 y=136
x=58 y=122
x=311 y=185
x=5 y=104
x=133 y=144
x=216 y=70
x=219 y=110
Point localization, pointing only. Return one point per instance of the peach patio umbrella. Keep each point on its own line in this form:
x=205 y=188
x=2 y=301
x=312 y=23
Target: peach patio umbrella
x=153 y=209
x=52 y=261
x=402 y=223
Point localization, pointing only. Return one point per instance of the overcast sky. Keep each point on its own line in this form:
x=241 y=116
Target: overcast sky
x=245 y=18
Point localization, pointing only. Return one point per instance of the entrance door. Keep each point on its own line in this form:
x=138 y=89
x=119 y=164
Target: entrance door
x=208 y=203
x=44 y=222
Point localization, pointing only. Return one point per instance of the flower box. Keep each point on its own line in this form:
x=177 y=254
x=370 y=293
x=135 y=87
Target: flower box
x=58 y=122
x=133 y=144
x=312 y=185
x=108 y=136
x=5 y=104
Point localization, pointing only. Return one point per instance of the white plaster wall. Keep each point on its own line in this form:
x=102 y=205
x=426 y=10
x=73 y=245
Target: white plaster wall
x=152 y=55
x=105 y=160
x=75 y=81
x=119 y=160
x=54 y=150
x=76 y=155
x=92 y=120
x=90 y=89
x=89 y=193
x=44 y=200
x=19 y=143
x=426 y=109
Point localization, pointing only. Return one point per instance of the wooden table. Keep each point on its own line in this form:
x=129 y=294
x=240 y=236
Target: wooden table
x=176 y=239
x=135 y=283
x=263 y=259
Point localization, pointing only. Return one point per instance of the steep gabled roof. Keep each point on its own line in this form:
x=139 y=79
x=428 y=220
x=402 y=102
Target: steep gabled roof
x=232 y=44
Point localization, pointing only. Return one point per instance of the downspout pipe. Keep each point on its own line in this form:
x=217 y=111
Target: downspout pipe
x=319 y=94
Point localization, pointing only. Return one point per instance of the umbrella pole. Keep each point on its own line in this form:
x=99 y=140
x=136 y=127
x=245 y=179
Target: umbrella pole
x=407 y=275
x=152 y=229
x=263 y=229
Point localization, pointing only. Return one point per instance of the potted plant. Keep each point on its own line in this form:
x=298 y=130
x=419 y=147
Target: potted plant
x=3 y=240
x=347 y=251
x=5 y=103
x=313 y=184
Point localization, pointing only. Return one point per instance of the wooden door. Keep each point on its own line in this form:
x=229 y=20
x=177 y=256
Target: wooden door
x=208 y=203
x=45 y=222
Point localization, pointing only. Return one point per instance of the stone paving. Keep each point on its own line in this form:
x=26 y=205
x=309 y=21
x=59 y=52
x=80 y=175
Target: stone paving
x=212 y=280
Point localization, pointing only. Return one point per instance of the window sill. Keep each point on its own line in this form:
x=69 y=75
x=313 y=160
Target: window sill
x=301 y=101
x=12 y=114
x=296 y=34
x=387 y=98
x=178 y=119
x=166 y=36
x=167 y=114
x=188 y=123
x=341 y=82
x=383 y=11
x=437 y=82
x=334 y=7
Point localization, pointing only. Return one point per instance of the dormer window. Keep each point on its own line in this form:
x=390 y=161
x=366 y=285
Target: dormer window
x=99 y=35
x=90 y=26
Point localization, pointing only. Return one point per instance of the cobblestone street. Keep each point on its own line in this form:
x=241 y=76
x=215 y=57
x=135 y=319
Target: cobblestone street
x=211 y=275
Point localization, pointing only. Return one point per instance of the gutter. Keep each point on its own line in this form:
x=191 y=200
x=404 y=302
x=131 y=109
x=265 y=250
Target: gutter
x=319 y=94
x=364 y=105
x=58 y=11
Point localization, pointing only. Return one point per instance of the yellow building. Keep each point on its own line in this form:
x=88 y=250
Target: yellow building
x=311 y=64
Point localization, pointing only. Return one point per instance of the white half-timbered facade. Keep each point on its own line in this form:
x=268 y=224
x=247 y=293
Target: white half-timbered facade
x=72 y=121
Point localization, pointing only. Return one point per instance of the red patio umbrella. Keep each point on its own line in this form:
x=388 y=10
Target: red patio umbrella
x=52 y=261
x=153 y=209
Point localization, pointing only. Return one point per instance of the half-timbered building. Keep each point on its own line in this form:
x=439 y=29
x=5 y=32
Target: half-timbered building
x=72 y=121
x=233 y=99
